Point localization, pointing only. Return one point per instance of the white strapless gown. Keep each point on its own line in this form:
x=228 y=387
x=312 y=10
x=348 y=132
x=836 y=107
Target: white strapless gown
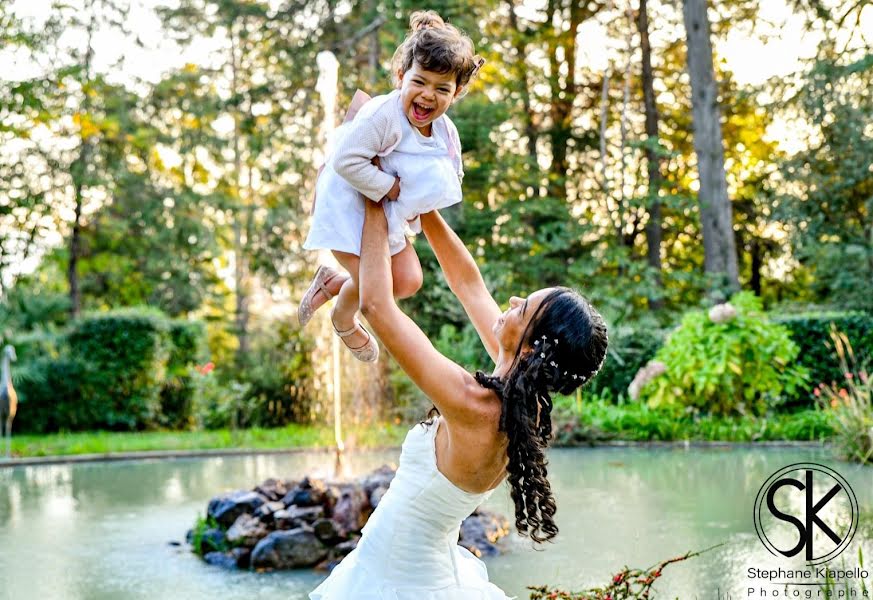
x=409 y=548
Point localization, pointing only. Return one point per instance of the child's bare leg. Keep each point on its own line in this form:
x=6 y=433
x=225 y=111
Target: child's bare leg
x=407 y=276
x=406 y=272
x=347 y=302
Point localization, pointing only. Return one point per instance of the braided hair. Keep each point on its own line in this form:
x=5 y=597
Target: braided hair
x=562 y=347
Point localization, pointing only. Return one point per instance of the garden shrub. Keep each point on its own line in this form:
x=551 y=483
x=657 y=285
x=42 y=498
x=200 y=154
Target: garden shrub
x=811 y=332
x=630 y=348
x=49 y=396
x=277 y=379
x=183 y=383
x=123 y=355
x=730 y=363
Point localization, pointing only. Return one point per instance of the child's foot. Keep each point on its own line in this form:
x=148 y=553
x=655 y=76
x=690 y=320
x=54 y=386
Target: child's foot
x=358 y=340
x=326 y=283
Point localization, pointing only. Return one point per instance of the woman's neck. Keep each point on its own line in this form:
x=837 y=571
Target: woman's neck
x=504 y=363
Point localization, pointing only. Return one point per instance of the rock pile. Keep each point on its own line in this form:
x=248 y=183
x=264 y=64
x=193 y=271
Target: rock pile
x=286 y=524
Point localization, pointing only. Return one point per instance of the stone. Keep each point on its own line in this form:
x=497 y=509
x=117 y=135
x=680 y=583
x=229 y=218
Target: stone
x=380 y=478
x=309 y=492
x=308 y=514
x=327 y=531
x=212 y=539
x=344 y=548
x=282 y=519
x=246 y=531
x=265 y=511
x=376 y=496
x=227 y=507
x=242 y=556
x=272 y=489
x=352 y=509
x=481 y=531
x=221 y=559
x=291 y=549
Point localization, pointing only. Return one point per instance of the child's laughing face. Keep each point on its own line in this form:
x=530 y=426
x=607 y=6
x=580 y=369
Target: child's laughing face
x=426 y=95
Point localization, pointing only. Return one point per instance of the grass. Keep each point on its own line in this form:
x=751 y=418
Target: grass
x=291 y=436
x=589 y=421
x=597 y=420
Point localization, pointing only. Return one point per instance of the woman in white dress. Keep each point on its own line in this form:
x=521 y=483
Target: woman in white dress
x=489 y=427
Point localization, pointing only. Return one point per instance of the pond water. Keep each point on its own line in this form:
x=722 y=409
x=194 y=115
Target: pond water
x=101 y=531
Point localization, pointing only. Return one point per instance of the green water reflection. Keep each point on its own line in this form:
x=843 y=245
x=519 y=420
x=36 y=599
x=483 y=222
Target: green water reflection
x=102 y=531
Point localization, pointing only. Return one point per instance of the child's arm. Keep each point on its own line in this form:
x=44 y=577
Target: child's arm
x=463 y=276
x=367 y=138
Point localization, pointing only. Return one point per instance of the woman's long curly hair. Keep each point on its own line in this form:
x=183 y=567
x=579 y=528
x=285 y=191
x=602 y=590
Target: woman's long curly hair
x=562 y=348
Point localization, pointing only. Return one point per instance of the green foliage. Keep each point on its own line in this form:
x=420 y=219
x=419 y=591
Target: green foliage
x=630 y=348
x=849 y=403
x=830 y=201
x=50 y=396
x=181 y=387
x=595 y=419
x=124 y=355
x=274 y=388
x=811 y=333
x=744 y=364
x=624 y=585
x=201 y=543
x=26 y=309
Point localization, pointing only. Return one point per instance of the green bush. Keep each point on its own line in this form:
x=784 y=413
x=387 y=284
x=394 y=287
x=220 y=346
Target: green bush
x=739 y=365
x=182 y=386
x=276 y=383
x=123 y=356
x=811 y=332
x=49 y=396
x=630 y=348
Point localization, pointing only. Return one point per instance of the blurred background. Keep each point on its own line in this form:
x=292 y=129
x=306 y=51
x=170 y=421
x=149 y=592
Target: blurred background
x=158 y=159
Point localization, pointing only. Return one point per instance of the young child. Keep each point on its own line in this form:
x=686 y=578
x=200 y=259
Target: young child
x=400 y=147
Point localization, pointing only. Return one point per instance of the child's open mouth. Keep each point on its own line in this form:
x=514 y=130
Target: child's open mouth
x=421 y=112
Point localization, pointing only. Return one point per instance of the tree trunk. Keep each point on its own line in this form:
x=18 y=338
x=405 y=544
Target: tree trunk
x=653 y=161
x=241 y=312
x=75 y=249
x=79 y=172
x=757 y=256
x=520 y=46
x=719 y=247
x=562 y=96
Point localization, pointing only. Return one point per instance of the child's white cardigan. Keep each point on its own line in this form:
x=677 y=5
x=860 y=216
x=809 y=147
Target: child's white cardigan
x=375 y=131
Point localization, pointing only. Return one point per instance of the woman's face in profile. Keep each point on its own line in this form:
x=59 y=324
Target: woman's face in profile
x=510 y=326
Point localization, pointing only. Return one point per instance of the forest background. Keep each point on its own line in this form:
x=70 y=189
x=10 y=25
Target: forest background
x=151 y=219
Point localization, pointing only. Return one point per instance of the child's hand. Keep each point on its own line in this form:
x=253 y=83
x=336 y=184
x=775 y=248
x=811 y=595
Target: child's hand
x=394 y=192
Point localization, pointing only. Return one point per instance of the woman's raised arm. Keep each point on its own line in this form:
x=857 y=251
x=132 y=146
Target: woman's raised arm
x=447 y=384
x=464 y=279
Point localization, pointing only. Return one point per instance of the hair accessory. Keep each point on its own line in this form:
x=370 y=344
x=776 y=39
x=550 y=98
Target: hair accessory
x=544 y=337
x=537 y=343
x=542 y=354
x=553 y=363
x=575 y=376
x=565 y=372
x=556 y=340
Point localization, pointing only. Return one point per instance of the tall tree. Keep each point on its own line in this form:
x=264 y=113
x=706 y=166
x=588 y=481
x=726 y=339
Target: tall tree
x=719 y=246
x=262 y=161
x=653 y=154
